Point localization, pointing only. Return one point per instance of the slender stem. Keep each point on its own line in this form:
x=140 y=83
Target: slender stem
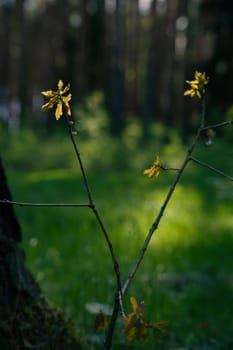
x=170 y=169
x=171 y=190
x=118 y=297
x=108 y=339
x=156 y=222
x=203 y=105
x=93 y=207
x=211 y=168
x=24 y=204
x=219 y=125
x=153 y=228
x=80 y=163
x=109 y=243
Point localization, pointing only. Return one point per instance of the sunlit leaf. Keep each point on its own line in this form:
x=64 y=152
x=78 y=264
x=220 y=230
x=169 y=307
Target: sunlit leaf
x=197 y=85
x=60 y=84
x=154 y=171
x=58 y=112
x=134 y=304
x=48 y=93
x=58 y=100
x=137 y=326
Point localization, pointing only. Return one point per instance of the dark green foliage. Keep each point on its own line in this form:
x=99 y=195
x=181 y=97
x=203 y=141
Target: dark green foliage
x=186 y=274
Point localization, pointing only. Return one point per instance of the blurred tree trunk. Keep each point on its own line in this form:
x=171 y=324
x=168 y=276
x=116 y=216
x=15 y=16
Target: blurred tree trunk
x=86 y=48
x=117 y=88
x=160 y=64
x=81 y=52
x=216 y=49
x=151 y=73
x=22 y=64
x=182 y=38
x=26 y=319
x=96 y=47
x=132 y=45
x=5 y=45
x=16 y=283
x=167 y=91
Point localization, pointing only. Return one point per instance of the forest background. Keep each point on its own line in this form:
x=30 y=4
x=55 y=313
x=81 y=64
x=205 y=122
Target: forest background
x=127 y=62
x=137 y=54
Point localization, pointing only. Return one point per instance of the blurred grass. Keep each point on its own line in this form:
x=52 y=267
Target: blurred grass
x=187 y=274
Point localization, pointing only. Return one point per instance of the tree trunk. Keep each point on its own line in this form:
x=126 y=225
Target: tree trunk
x=27 y=321
x=117 y=89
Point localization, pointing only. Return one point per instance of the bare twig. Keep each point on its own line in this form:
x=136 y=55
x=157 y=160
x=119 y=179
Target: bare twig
x=154 y=227
x=171 y=190
x=156 y=222
x=118 y=297
x=211 y=168
x=24 y=204
x=219 y=125
x=109 y=336
x=203 y=105
x=80 y=161
x=114 y=259
x=169 y=169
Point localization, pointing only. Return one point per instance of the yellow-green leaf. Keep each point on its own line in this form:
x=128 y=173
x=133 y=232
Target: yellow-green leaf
x=60 y=84
x=58 y=100
x=48 y=93
x=58 y=112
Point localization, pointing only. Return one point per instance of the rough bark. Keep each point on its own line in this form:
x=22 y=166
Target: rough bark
x=27 y=321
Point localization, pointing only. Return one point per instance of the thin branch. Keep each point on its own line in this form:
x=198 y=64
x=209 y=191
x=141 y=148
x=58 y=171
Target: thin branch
x=170 y=192
x=203 y=105
x=92 y=205
x=153 y=228
x=80 y=161
x=24 y=204
x=156 y=222
x=219 y=125
x=211 y=168
x=118 y=297
x=109 y=336
x=169 y=169
x=118 y=305
x=109 y=243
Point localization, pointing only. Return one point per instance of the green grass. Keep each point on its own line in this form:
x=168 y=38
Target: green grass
x=187 y=274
